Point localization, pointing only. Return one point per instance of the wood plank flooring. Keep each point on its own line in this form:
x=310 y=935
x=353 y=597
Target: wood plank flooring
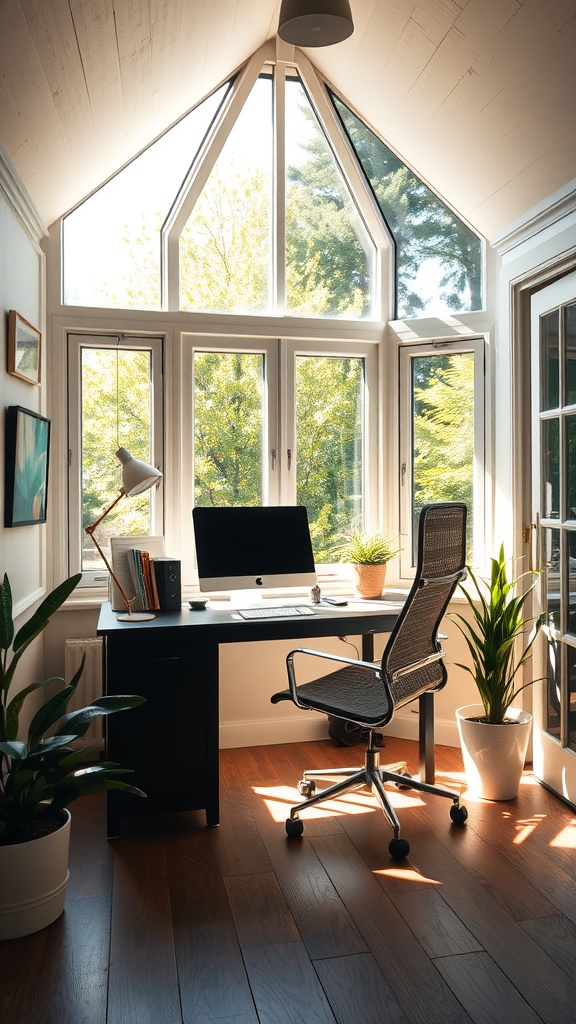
x=179 y=924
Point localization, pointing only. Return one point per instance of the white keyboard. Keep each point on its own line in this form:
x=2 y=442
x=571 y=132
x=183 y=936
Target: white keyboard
x=274 y=612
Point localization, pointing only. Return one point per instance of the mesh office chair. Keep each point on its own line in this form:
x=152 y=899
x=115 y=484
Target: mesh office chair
x=368 y=694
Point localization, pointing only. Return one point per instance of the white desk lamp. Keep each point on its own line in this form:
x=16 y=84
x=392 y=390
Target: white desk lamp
x=137 y=477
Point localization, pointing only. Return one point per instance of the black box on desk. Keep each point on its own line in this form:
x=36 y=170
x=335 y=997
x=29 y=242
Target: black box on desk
x=168 y=576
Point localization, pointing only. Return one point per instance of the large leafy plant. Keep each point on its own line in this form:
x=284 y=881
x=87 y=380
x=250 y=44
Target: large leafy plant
x=366 y=548
x=499 y=638
x=38 y=774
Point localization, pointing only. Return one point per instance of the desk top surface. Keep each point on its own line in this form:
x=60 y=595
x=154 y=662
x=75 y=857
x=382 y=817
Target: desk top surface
x=221 y=623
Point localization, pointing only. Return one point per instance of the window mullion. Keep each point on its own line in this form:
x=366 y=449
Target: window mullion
x=279 y=193
x=287 y=423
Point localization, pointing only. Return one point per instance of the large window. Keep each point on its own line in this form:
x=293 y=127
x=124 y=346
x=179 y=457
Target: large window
x=300 y=437
x=270 y=213
x=255 y=204
x=442 y=437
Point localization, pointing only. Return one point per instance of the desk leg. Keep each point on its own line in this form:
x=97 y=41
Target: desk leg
x=368 y=647
x=426 y=737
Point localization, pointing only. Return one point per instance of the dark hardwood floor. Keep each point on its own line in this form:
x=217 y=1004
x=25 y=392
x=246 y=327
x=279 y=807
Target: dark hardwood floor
x=175 y=923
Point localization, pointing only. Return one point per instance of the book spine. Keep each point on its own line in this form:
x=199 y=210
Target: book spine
x=138 y=575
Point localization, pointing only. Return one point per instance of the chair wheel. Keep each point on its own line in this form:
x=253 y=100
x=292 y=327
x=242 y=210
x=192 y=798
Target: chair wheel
x=306 y=787
x=294 y=827
x=405 y=785
x=399 y=848
x=458 y=813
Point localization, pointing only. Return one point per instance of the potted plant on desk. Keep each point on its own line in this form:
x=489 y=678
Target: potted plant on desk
x=368 y=553
x=494 y=734
x=38 y=776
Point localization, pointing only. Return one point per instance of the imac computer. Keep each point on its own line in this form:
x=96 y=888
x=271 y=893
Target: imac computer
x=253 y=548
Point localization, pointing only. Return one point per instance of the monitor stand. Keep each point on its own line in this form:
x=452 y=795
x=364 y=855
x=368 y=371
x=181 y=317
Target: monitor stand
x=246 y=598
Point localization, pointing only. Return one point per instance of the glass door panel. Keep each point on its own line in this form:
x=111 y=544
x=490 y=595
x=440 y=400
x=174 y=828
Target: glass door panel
x=554 y=480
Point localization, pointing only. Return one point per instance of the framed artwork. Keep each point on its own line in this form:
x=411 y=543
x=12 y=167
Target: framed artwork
x=24 y=348
x=26 y=467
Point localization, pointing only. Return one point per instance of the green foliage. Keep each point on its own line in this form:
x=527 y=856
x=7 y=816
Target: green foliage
x=425 y=230
x=39 y=774
x=443 y=431
x=366 y=548
x=498 y=627
x=228 y=428
x=116 y=402
x=225 y=254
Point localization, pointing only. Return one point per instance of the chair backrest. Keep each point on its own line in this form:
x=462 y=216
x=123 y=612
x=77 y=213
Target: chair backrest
x=412 y=660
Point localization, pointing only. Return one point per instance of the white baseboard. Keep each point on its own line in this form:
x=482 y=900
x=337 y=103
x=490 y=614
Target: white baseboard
x=303 y=727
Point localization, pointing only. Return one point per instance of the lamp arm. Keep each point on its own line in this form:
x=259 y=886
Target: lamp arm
x=128 y=601
x=90 y=529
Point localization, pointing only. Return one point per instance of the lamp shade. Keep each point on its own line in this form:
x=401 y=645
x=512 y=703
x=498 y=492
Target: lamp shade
x=315 y=22
x=137 y=476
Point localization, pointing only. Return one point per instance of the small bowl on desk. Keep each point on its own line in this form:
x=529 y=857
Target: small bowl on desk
x=198 y=604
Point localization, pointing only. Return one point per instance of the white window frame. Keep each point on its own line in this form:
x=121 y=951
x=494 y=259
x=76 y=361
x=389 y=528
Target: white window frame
x=76 y=341
x=280 y=361
x=407 y=353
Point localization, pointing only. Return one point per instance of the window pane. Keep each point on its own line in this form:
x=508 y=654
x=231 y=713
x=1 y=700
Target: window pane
x=330 y=447
x=550 y=474
x=111 y=243
x=228 y=428
x=438 y=258
x=442 y=434
x=570 y=353
x=116 y=396
x=549 y=355
x=226 y=246
x=570 y=467
x=329 y=255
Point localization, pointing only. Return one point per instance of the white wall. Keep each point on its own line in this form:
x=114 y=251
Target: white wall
x=22 y=549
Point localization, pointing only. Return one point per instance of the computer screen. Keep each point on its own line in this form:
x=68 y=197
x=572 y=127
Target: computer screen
x=252 y=548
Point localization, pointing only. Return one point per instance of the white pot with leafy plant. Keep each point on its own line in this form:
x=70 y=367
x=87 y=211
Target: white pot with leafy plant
x=495 y=734
x=368 y=553
x=39 y=776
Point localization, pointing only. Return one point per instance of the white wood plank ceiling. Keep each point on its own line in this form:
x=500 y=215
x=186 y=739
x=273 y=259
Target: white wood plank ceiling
x=477 y=95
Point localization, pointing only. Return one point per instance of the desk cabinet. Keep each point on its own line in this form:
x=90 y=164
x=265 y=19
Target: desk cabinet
x=171 y=741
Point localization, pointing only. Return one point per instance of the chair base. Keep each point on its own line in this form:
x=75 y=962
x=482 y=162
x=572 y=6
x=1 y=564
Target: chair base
x=372 y=776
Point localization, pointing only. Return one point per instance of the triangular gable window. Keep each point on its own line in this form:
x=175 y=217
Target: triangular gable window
x=254 y=204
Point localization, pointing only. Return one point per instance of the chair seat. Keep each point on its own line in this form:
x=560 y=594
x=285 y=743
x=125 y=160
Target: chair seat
x=353 y=693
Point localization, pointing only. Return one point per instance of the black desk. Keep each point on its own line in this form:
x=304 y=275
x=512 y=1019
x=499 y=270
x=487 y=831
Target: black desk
x=171 y=741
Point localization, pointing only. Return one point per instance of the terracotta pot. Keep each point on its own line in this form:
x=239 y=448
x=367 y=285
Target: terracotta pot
x=370 y=580
x=494 y=755
x=33 y=879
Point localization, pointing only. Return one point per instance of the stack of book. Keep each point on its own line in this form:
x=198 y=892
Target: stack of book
x=156 y=579
x=145 y=573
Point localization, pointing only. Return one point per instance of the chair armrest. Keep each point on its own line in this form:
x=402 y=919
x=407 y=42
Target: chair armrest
x=342 y=659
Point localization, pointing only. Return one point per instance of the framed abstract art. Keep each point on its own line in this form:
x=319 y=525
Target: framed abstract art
x=26 y=467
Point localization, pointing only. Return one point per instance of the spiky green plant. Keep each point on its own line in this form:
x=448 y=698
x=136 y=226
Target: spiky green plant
x=37 y=774
x=366 y=548
x=500 y=638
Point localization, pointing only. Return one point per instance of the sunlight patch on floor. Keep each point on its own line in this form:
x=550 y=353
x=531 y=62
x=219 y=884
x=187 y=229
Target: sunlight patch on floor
x=406 y=875
x=566 y=838
x=279 y=799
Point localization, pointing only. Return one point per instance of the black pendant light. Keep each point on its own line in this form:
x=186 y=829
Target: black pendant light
x=315 y=22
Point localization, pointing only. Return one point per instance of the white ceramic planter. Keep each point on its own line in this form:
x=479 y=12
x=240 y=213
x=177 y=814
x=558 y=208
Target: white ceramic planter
x=493 y=755
x=33 y=879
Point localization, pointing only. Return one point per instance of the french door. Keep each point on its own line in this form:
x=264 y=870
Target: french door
x=553 y=333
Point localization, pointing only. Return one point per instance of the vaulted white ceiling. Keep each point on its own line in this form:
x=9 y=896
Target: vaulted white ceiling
x=477 y=95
